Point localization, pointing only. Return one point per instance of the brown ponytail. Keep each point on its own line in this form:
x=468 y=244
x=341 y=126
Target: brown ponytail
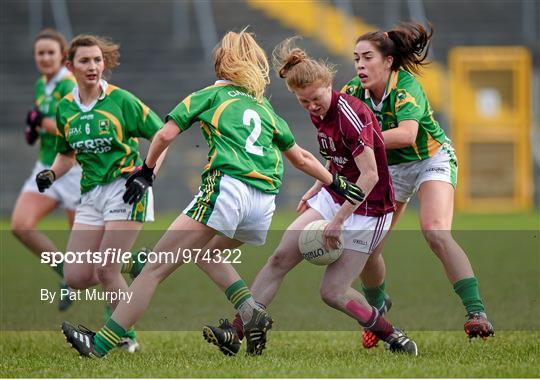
x=408 y=44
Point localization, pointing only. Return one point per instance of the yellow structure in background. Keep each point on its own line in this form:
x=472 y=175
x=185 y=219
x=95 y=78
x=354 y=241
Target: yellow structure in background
x=338 y=32
x=491 y=120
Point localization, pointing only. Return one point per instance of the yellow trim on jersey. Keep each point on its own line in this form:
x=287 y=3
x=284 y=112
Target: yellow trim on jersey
x=116 y=123
x=415 y=148
x=271 y=116
x=432 y=146
x=69 y=97
x=40 y=100
x=257 y=175
x=278 y=160
x=204 y=126
x=219 y=111
x=393 y=81
x=110 y=88
x=212 y=158
x=129 y=168
x=67 y=126
x=145 y=109
x=408 y=99
x=187 y=103
x=119 y=134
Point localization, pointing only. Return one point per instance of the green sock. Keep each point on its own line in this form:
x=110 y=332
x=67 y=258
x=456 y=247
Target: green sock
x=375 y=296
x=107 y=314
x=238 y=293
x=131 y=334
x=108 y=337
x=59 y=269
x=467 y=290
x=134 y=266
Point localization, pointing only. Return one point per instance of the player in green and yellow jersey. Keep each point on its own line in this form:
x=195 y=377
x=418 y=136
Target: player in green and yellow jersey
x=98 y=126
x=420 y=156
x=235 y=203
x=55 y=82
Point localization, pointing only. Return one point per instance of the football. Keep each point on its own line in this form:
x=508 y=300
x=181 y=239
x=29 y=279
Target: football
x=311 y=244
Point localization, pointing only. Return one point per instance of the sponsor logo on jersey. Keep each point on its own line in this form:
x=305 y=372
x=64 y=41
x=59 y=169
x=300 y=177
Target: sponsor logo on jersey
x=104 y=127
x=97 y=145
x=88 y=116
x=75 y=131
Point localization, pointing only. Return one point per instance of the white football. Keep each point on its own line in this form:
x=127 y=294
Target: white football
x=311 y=244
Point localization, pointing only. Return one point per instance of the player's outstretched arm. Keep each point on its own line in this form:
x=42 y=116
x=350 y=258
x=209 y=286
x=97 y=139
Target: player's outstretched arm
x=306 y=162
x=160 y=142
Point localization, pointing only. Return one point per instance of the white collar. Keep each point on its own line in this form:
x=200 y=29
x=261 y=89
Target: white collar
x=75 y=92
x=225 y=81
x=50 y=85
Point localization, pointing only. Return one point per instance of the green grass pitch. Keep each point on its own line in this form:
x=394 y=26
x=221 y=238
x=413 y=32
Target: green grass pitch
x=309 y=339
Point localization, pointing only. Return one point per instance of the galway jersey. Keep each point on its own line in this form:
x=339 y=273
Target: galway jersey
x=104 y=134
x=403 y=99
x=346 y=129
x=48 y=95
x=245 y=137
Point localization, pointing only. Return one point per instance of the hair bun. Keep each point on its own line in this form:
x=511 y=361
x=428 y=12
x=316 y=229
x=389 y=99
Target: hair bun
x=296 y=56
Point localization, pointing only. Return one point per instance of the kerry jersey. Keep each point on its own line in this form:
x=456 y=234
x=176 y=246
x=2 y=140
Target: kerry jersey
x=403 y=99
x=245 y=137
x=104 y=134
x=48 y=95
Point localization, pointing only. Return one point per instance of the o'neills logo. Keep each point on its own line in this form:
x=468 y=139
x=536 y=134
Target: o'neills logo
x=314 y=254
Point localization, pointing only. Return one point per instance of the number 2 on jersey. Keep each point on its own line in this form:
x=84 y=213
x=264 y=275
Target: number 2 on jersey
x=249 y=115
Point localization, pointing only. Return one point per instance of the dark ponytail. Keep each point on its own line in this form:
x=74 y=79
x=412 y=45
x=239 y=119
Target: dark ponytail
x=408 y=44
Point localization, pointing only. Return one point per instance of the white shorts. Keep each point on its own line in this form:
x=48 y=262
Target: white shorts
x=237 y=210
x=104 y=203
x=408 y=177
x=66 y=190
x=360 y=233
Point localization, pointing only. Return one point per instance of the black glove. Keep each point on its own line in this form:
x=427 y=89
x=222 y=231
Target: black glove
x=348 y=190
x=325 y=155
x=44 y=179
x=33 y=120
x=137 y=183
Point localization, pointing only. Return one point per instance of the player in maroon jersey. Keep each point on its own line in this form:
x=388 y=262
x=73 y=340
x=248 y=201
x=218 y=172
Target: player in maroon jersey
x=351 y=140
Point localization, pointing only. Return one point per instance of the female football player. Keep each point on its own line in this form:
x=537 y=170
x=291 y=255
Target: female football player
x=98 y=126
x=351 y=141
x=236 y=198
x=420 y=156
x=56 y=81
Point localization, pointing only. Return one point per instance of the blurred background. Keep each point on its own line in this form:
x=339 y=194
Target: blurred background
x=483 y=83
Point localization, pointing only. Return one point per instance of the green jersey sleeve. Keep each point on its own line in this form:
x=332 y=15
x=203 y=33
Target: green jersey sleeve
x=410 y=103
x=140 y=120
x=283 y=137
x=188 y=110
x=62 y=146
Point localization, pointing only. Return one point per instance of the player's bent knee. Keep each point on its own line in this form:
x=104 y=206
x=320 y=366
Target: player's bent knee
x=106 y=274
x=21 y=227
x=329 y=296
x=282 y=260
x=79 y=280
x=437 y=239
